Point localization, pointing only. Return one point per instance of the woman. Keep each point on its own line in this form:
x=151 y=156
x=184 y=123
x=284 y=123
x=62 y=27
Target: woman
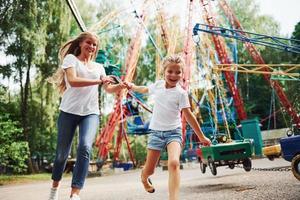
x=78 y=80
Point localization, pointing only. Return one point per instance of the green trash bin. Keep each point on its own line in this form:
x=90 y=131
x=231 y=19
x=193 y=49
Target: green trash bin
x=251 y=129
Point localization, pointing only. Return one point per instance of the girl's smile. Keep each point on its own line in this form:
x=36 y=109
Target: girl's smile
x=172 y=75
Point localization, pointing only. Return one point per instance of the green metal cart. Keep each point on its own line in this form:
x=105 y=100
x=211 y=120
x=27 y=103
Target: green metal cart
x=226 y=154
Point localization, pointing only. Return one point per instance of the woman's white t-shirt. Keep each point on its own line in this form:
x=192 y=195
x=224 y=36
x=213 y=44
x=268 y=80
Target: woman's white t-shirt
x=81 y=100
x=168 y=103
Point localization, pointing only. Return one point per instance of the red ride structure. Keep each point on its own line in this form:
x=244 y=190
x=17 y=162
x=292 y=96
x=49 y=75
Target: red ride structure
x=220 y=47
x=118 y=114
x=259 y=60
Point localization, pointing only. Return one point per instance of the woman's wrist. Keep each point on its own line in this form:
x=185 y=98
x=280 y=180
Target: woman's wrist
x=100 y=81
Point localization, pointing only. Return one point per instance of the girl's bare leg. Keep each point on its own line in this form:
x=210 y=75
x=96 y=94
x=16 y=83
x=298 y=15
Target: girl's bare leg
x=174 y=150
x=148 y=170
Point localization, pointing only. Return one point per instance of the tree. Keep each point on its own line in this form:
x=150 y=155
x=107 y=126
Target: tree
x=255 y=91
x=14 y=150
x=33 y=41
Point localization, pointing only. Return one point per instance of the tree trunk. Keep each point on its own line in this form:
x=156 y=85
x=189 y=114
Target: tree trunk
x=24 y=109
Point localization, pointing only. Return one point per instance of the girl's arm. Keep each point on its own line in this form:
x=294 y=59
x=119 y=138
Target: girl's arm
x=191 y=119
x=136 y=88
x=76 y=81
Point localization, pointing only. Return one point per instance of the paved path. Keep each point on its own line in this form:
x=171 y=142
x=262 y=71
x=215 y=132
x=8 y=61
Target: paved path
x=227 y=185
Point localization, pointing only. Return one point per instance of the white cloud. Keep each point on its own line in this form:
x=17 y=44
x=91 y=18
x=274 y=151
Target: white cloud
x=285 y=12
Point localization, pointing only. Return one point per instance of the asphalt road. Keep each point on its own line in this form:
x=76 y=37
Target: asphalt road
x=228 y=184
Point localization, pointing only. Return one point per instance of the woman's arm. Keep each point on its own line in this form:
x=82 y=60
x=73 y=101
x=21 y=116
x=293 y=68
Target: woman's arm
x=191 y=119
x=76 y=81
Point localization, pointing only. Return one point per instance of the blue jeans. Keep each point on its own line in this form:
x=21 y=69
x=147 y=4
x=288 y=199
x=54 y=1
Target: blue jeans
x=67 y=124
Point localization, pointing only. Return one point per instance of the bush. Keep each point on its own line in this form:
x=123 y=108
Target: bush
x=13 y=151
x=139 y=151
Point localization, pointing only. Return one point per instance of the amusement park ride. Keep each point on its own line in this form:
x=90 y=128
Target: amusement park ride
x=224 y=151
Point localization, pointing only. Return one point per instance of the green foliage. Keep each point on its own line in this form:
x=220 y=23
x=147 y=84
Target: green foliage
x=247 y=13
x=139 y=149
x=13 y=151
x=34 y=40
x=146 y=65
x=296 y=34
x=296 y=38
x=13 y=179
x=255 y=90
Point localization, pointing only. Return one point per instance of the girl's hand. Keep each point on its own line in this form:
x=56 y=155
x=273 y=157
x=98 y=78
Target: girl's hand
x=205 y=141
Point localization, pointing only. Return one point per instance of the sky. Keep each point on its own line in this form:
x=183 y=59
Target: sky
x=286 y=12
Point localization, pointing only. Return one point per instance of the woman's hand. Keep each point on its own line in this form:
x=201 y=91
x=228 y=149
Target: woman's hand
x=106 y=80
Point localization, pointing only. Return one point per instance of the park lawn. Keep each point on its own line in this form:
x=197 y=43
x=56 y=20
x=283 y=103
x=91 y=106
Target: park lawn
x=19 y=179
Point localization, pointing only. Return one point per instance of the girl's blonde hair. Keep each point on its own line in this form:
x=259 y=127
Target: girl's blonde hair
x=70 y=47
x=171 y=60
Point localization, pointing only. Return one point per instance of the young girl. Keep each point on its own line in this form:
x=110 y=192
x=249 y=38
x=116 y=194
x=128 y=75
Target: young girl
x=78 y=80
x=169 y=100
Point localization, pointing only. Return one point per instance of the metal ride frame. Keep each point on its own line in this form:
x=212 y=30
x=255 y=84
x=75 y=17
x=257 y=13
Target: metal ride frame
x=221 y=154
x=286 y=70
x=255 y=38
x=224 y=59
x=106 y=134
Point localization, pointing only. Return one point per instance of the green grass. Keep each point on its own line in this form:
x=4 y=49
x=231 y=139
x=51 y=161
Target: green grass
x=16 y=179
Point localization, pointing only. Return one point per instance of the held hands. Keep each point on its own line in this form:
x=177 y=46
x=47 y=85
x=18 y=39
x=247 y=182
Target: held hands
x=128 y=85
x=113 y=84
x=106 y=80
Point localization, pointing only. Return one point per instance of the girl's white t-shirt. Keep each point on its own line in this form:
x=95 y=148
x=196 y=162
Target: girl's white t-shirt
x=167 y=106
x=81 y=100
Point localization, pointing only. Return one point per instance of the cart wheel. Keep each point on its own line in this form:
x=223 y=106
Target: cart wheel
x=296 y=166
x=289 y=132
x=212 y=166
x=202 y=166
x=231 y=165
x=247 y=164
x=271 y=158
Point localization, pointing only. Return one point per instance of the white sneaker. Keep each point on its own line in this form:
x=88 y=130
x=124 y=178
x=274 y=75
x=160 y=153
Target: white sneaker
x=75 y=197
x=53 y=194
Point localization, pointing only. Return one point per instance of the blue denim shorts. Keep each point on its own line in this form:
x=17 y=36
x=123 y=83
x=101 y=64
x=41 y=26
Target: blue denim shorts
x=158 y=140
